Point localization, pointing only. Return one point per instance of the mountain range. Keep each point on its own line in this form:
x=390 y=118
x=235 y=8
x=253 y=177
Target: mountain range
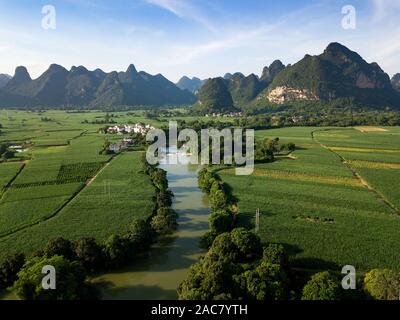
x=396 y=81
x=4 y=78
x=58 y=87
x=335 y=75
x=193 y=85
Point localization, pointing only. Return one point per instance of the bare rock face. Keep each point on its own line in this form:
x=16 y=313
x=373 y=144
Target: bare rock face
x=364 y=82
x=280 y=95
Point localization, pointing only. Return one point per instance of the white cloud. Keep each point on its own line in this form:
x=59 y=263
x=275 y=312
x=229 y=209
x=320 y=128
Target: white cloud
x=384 y=8
x=184 y=10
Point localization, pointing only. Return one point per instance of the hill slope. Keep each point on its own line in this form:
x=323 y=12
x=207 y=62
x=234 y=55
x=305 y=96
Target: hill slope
x=336 y=73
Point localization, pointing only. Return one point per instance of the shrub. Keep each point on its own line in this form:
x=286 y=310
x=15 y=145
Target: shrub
x=116 y=251
x=9 y=269
x=322 y=286
x=247 y=243
x=266 y=282
x=382 y=284
x=61 y=247
x=220 y=221
x=89 y=253
x=276 y=254
x=140 y=235
x=164 y=224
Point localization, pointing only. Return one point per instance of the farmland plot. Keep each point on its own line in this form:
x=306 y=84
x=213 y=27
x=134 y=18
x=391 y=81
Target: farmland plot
x=298 y=196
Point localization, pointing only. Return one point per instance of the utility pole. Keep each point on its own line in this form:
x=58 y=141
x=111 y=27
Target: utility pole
x=107 y=188
x=257 y=220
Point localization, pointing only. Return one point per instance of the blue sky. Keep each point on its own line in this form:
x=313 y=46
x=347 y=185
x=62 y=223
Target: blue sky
x=203 y=38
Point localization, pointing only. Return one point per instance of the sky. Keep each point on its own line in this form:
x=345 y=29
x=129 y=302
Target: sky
x=202 y=38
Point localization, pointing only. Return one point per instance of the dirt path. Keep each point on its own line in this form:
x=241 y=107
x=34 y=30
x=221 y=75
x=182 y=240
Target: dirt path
x=7 y=186
x=364 y=182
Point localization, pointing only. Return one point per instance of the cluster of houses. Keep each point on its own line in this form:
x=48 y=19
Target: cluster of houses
x=122 y=145
x=140 y=128
x=18 y=149
x=229 y=115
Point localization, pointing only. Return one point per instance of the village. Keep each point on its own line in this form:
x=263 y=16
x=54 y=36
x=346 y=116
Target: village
x=139 y=128
x=135 y=131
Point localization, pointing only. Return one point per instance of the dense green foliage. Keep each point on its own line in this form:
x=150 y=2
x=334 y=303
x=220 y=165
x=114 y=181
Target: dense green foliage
x=214 y=96
x=322 y=286
x=70 y=280
x=382 y=284
x=233 y=268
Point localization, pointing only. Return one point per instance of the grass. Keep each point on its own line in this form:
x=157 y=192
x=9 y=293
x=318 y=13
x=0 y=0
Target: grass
x=8 y=172
x=62 y=158
x=119 y=194
x=297 y=196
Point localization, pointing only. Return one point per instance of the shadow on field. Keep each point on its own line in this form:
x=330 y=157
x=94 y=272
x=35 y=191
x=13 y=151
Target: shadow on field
x=139 y=292
x=315 y=263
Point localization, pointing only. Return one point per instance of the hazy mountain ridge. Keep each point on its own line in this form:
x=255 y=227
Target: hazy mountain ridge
x=58 y=87
x=4 y=78
x=193 y=85
x=338 y=74
x=396 y=81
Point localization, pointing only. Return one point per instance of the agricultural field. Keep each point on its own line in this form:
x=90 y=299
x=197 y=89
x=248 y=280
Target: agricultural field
x=329 y=207
x=62 y=184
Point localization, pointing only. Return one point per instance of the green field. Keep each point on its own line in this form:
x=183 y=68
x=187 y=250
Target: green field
x=333 y=201
x=62 y=186
x=297 y=196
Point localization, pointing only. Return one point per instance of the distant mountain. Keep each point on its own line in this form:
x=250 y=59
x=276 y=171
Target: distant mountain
x=228 y=76
x=214 y=96
x=193 y=85
x=396 y=81
x=269 y=73
x=336 y=73
x=58 y=87
x=4 y=78
x=244 y=89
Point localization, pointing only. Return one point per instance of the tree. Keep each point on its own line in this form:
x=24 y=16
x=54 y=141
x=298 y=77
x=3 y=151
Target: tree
x=9 y=269
x=89 y=253
x=218 y=200
x=8 y=154
x=140 y=235
x=164 y=222
x=322 y=286
x=220 y=221
x=70 y=280
x=276 y=254
x=61 y=247
x=3 y=148
x=247 y=243
x=266 y=282
x=382 y=284
x=116 y=251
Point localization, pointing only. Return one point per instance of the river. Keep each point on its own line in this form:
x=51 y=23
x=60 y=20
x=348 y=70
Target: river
x=158 y=275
